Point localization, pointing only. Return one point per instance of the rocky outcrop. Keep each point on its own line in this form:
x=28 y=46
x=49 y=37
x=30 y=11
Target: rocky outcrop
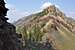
x=53 y=21
x=8 y=37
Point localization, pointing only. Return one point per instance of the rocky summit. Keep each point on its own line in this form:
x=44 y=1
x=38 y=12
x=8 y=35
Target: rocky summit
x=9 y=39
x=50 y=24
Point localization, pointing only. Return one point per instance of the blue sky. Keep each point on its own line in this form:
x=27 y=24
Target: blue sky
x=21 y=8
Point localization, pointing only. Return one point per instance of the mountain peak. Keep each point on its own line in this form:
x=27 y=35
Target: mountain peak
x=47 y=4
x=53 y=22
x=50 y=8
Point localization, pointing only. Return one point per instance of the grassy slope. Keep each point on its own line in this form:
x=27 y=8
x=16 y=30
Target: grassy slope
x=64 y=38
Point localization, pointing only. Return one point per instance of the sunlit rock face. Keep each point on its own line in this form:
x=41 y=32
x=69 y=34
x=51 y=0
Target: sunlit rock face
x=53 y=24
x=8 y=37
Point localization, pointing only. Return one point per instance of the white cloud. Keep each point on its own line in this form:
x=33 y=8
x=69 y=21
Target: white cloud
x=14 y=14
x=44 y=6
x=37 y=11
x=70 y=14
x=47 y=4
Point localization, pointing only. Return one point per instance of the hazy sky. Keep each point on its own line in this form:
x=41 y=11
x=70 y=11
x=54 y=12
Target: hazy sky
x=21 y=8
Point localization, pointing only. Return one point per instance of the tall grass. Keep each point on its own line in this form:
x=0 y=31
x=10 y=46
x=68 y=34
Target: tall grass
x=34 y=34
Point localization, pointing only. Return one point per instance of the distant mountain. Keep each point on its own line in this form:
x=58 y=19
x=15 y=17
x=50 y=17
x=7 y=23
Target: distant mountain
x=54 y=23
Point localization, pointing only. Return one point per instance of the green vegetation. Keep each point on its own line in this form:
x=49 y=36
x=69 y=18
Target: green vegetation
x=33 y=35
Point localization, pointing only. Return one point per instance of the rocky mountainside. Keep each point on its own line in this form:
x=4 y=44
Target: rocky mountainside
x=57 y=27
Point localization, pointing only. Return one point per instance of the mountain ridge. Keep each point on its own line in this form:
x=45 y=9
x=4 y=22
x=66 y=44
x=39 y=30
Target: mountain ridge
x=52 y=22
